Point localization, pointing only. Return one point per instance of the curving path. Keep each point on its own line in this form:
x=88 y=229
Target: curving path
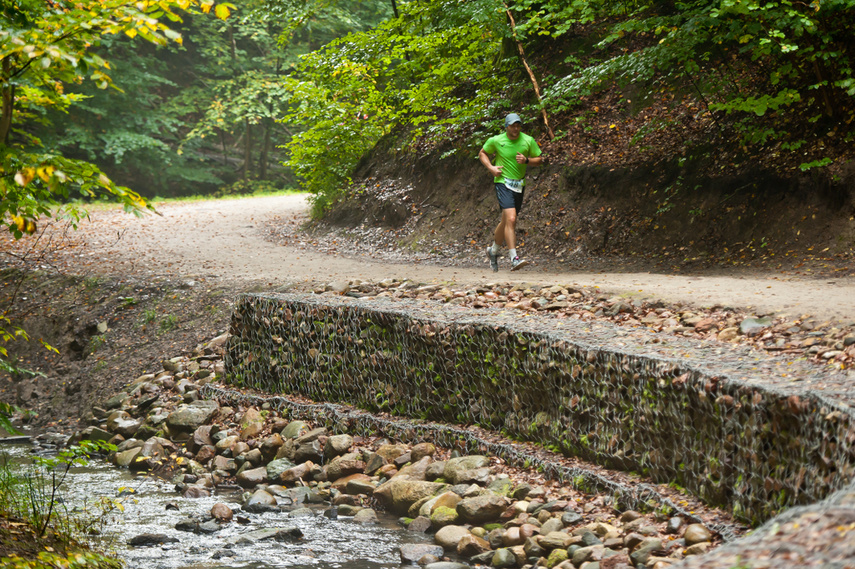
x=226 y=241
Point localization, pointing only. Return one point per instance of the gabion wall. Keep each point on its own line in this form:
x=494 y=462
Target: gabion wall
x=727 y=424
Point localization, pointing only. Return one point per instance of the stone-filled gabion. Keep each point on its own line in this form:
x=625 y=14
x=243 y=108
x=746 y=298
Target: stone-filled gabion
x=718 y=420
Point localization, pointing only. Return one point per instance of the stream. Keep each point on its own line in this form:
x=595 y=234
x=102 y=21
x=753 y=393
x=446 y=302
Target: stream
x=153 y=506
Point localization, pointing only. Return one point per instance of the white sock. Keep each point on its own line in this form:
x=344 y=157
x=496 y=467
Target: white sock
x=495 y=248
x=512 y=253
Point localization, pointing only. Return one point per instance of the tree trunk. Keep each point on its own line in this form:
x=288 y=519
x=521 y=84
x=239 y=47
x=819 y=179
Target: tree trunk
x=265 y=150
x=529 y=71
x=8 y=103
x=247 y=150
x=395 y=8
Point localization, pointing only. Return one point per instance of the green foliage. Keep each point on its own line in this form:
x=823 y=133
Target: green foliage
x=168 y=322
x=35 y=495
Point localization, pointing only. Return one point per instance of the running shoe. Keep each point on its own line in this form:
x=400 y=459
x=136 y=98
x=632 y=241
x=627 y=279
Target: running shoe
x=518 y=263
x=494 y=259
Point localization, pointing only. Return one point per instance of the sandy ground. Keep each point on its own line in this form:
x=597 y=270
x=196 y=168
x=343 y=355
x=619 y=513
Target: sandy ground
x=226 y=241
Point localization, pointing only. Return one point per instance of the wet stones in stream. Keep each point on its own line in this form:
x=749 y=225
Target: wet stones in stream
x=472 y=509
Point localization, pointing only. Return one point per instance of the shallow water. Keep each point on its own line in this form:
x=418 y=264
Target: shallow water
x=326 y=543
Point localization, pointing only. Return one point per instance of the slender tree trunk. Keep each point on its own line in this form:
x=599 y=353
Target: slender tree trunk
x=8 y=102
x=265 y=150
x=247 y=151
x=395 y=8
x=531 y=76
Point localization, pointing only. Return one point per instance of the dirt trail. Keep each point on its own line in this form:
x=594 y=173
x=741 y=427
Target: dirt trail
x=226 y=241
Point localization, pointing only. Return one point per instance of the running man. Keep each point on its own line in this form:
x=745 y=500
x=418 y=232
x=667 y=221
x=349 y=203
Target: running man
x=514 y=152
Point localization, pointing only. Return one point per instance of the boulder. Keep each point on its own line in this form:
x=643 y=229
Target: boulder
x=457 y=470
x=294 y=429
x=417 y=470
x=697 y=533
x=398 y=494
x=251 y=424
x=296 y=473
x=252 y=477
x=449 y=536
x=471 y=545
x=337 y=445
x=277 y=467
x=221 y=512
x=412 y=552
x=188 y=418
x=480 y=509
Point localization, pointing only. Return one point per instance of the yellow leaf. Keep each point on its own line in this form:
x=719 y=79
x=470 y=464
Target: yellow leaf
x=222 y=11
x=25 y=176
x=45 y=172
x=132 y=33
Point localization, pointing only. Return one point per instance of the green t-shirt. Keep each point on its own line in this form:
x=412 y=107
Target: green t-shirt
x=506 y=150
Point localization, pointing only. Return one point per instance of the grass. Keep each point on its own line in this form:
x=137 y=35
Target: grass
x=35 y=530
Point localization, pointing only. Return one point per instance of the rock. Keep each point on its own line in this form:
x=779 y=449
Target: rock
x=194 y=492
x=289 y=534
x=222 y=512
x=201 y=437
x=205 y=454
x=484 y=508
x=512 y=537
x=251 y=424
x=571 y=518
x=94 y=434
x=416 y=471
x=306 y=451
x=556 y=557
x=344 y=465
x=502 y=485
x=412 y=552
x=398 y=494
x=455 y=470
x=422 y=450
x=697 y=533
x=152 y=454
x=270 y=446
x=354 y=484
x=552 y=525
x=252 y=477
x=125 y=458
x=645 y=550
x=698 y=548
x=449 y=536
x=614 y=561
x=728 y=335
x=366 y=516
x=337 y=445
x=296 y=473
x=276 y=468
x=675 y=524
x=555 y=540
x=149 y=539
x=421 y=524
x=447 y=565
x=295 y=429
x=503 y=558
x=121 y=423
x=190 y=417
x=471 y=545
x=373 y=462
x=589 y=553
x=261 y=500
x=443 y=516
